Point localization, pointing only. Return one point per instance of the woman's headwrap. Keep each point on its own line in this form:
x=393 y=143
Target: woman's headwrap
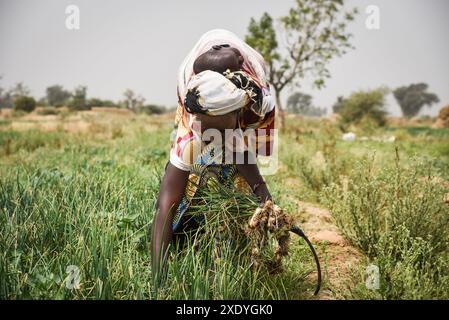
x=213 y=93
x=216 y=94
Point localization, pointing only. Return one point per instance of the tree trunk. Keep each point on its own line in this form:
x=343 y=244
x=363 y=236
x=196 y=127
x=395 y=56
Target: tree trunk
x=281 y=110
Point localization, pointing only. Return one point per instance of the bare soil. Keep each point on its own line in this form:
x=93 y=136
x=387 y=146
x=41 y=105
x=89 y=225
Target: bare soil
x=337 y=256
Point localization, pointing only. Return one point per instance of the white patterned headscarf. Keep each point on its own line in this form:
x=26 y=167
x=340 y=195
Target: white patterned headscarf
x=218 y=95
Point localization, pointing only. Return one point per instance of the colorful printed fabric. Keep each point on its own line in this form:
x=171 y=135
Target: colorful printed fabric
x=206 y=166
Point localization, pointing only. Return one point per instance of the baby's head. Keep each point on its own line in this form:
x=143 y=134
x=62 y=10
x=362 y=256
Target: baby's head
x=219 y=59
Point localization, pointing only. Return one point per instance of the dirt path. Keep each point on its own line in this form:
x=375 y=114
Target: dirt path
x=336 y=254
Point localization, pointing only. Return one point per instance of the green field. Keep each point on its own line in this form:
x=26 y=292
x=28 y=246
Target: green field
x=80 y=189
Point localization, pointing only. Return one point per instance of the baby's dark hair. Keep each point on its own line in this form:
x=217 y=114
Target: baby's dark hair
x=218 y=59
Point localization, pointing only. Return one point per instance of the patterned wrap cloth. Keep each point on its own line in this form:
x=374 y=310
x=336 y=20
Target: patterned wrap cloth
x=188 y=151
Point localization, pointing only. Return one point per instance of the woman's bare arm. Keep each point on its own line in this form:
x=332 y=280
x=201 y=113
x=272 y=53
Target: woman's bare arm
x=250 y=171
x=171 y=192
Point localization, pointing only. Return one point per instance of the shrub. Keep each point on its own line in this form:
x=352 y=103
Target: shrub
x=324 y=164
x=96 y=102
x=56 y=96
x=18 y=113
x=25 y=103
x=151 y=109
x=443 y=118
x=79 y=100
x=415 y=274
x=363 y=105
x=398 y=217
x=44 y=111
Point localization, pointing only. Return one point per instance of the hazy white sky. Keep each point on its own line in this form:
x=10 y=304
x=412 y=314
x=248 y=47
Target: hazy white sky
x=140 y=44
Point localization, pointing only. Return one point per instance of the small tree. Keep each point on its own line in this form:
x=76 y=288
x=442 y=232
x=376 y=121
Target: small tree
x=132 y=101
x=43 y=102
x=338 y=105
x=79 y=99
x=8 y=97
x=57 y=96
x=315 y=31
x=24 y=103
x=365 y=105
x=301 y=103
x=6 y=100
x=413 y=98
x=20 y=90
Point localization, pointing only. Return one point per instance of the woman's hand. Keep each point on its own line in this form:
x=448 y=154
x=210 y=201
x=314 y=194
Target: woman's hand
x=262 y=192
x=250 y=171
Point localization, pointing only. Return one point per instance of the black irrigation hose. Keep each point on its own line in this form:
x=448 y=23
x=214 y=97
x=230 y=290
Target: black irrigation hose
x=300 y=233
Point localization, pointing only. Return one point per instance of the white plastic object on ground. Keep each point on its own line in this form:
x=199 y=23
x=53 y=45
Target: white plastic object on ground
x=350 y=136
